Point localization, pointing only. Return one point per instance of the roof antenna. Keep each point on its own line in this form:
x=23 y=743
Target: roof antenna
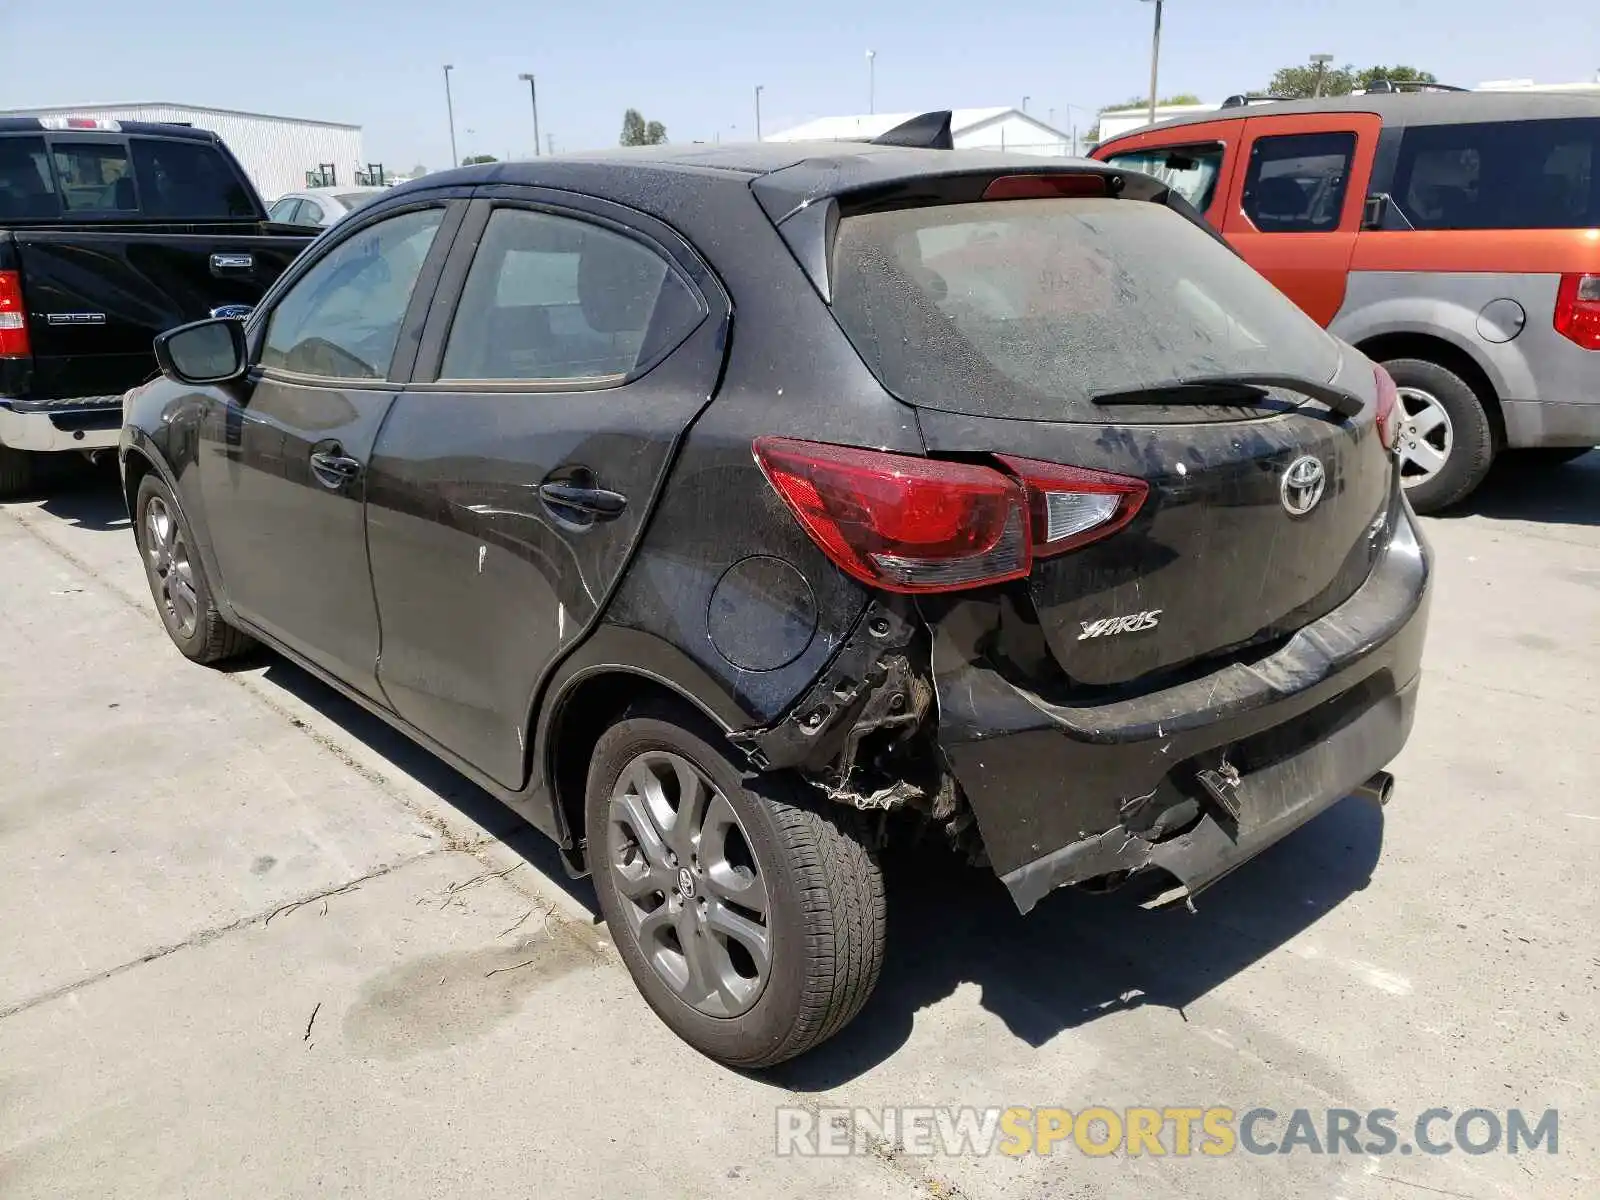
x=930 y=131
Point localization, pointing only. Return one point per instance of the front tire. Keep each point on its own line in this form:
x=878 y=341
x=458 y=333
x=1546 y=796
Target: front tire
x=749 y=913
x=177 y=578
x=1446 y=441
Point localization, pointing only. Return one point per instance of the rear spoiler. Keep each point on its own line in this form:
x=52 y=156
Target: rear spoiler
x=930 y=131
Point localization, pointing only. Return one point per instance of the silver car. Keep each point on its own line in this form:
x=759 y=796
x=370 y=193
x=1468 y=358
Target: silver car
x=320 y=206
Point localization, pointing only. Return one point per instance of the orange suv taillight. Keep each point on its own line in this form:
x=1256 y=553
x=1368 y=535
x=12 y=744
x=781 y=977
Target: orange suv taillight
x=13 y=317
x=1578 y=310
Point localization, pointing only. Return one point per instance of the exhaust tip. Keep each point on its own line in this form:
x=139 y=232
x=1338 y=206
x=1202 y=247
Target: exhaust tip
x=1379 y=789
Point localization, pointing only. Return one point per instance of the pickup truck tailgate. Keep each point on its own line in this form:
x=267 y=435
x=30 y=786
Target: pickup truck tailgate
x=96 y=297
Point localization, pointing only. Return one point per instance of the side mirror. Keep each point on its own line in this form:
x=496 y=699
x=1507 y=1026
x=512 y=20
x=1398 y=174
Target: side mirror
x=205 y=352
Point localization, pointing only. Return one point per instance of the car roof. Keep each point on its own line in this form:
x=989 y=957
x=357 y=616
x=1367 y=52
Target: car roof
x=785 y=175
x=142 y=128
x=1406 y=108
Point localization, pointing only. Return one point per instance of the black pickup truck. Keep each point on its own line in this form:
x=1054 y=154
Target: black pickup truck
x=111 y=233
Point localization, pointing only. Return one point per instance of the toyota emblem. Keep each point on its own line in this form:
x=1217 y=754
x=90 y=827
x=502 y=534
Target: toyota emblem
x=1303 y=485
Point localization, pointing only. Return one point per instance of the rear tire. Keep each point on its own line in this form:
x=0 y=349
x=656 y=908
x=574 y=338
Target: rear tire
x=178 y=580
x=821 y=933
x=1466 y=439
x=16 y=472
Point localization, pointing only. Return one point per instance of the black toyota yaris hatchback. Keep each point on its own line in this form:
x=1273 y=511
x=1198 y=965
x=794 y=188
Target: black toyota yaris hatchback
x=727 y=510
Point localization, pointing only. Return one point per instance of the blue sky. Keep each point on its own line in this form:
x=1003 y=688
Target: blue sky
x=693 y=64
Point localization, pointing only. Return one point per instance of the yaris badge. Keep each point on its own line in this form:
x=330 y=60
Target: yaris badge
x=1302 y=486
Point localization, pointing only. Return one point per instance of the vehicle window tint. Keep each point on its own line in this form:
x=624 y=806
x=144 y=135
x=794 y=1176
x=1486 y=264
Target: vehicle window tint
x=342 y=318
x=188 y=181
x=27 y=190
x=1296 y=183
x=551 y=297
x=1191 y=171
x=286 y=210
x=1030 y=308
x=1504 y=175
x=94 y=177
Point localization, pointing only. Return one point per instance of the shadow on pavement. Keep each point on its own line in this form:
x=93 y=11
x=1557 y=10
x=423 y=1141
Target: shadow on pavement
x=477 y=805
x=83 y=494
x=1075 y=958
x=1520 y=490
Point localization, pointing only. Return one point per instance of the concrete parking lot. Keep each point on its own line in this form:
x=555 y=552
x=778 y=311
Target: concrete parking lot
x=255 y=943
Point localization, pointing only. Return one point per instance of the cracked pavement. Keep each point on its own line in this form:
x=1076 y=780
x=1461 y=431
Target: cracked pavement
x=257 y=943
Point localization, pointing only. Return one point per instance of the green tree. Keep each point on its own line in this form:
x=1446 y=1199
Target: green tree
x=1301 y=82
x=1144 y=102
x=473 y=159
x=636 y=131
x=418 y=171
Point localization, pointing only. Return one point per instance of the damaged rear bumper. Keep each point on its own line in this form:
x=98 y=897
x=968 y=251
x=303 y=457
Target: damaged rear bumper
x=1068 y=795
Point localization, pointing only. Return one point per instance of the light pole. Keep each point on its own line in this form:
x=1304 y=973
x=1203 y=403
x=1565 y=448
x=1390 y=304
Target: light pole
x=533 y=94
x=1025 y=100
x=450 y=108
x=1155 y=59
x=1322 y=61
x=758 y=112
x=872 y=81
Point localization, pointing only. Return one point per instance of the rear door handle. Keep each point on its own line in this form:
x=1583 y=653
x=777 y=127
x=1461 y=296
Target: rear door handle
x=334 y=468
x=596 y=503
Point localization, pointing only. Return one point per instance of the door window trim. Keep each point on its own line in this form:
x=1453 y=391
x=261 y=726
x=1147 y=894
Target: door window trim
x=649 y=232
x=1250 y=168
x=422 y=292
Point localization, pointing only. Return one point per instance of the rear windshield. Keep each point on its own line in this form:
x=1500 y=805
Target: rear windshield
x=74 y=177
x=1504 y=175
x=1030 y=308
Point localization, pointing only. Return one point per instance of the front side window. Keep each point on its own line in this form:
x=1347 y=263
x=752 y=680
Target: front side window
x=1191 y=171
x=1297 y=182
x=94 y=177
x=188 y=181
x=1500 y=175
x=555 y=298
x=27 y=191
x=341 y=319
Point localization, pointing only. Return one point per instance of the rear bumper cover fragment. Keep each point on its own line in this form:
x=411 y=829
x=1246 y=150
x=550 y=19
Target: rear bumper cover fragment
x=77 y=423
x=1057 y=790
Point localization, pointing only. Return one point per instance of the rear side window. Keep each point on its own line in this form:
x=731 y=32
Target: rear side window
x=1501 y=175
x=1030 y=308
x=555 y=298
x=188 y=181
x=95 y=178
x=1191 y=171
x=27 y=190
x=1297 y=182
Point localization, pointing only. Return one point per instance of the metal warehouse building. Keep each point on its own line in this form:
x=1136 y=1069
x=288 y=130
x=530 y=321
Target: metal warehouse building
x=276 y=151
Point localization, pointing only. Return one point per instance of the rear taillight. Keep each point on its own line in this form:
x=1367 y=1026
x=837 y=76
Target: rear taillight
x=1578 y=310
x=1071 y=506
x=1046 y=187
x=908 y=524
x=1388 y=408
x=13 y=317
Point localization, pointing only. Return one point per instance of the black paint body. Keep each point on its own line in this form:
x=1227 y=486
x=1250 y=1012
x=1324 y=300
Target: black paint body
x=441 y=589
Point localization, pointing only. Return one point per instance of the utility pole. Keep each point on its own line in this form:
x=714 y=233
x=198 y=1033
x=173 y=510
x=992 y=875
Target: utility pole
x=1025 y=100
x=872 y=81
x=550 y=142
x=758 y=112
x=1322 y=61
x=1155 y=60
x=450 y=108
x=533 y=94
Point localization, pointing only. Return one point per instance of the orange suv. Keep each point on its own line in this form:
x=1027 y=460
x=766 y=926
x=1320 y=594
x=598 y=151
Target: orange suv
x=1452 y=236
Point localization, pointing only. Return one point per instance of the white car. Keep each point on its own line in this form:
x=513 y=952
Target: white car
x=320 y=206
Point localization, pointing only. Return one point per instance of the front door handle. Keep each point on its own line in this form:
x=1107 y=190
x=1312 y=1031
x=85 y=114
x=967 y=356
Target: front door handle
x=334 y=468
x=598 y=504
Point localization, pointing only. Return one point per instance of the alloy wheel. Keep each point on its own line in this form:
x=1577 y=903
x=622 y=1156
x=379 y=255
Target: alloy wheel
x=1425 y=435
x=168 y=555
x=692 y=891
